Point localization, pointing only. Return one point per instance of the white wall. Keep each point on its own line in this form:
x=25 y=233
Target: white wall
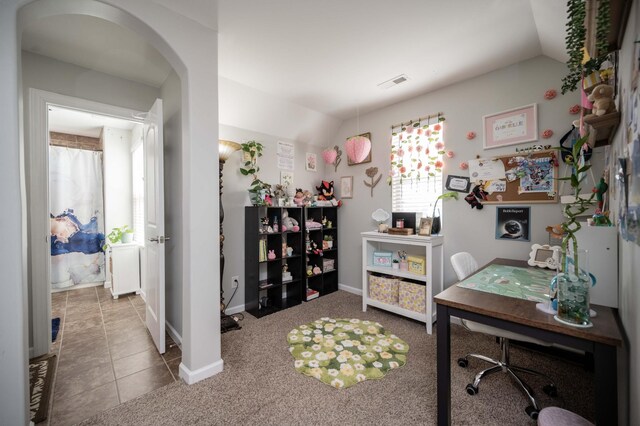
x=463 y=105
x=170 y=93
x=235 y=197
x=116 y=162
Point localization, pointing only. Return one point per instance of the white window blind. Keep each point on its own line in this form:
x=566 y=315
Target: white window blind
x=416 y=166
x=137 y=172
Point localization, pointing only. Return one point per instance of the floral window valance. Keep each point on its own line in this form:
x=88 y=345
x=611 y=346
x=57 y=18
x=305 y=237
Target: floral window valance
x=417 y=148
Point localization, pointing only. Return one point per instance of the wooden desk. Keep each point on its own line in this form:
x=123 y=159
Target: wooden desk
x=521 y=316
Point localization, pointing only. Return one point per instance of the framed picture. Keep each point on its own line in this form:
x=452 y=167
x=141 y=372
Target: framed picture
x=511 y=127
x=544 y=256
x=425 y=226
x=346 y=187
x=512 y=223
x=311 y=162
x=286 y=178
x=366 y=160
x=457 y=183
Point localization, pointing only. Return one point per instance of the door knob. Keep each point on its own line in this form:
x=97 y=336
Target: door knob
x=154 y=240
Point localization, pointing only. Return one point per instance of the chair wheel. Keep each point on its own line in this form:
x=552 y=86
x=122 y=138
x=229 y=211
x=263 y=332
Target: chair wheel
x=550 y=390
x=532 y=412
x=463 y=362
x=471 y=390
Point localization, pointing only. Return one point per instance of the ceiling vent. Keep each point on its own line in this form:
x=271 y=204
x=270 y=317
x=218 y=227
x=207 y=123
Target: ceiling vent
x=393 y=82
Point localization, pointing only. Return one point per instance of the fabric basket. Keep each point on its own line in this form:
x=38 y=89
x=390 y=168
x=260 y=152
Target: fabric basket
x=383 y=289
x=412 y=296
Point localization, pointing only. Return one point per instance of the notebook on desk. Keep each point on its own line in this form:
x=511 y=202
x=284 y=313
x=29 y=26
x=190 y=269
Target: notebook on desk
x=512 y=281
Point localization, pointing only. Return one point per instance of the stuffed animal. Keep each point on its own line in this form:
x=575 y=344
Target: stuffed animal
x=602 y=99
x=278 y=191
x=325 y=190
x=289 y=223
x=299 y=198
x=308 y=198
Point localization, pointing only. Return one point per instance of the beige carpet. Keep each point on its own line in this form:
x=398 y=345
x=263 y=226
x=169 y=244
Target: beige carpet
x=260 y=385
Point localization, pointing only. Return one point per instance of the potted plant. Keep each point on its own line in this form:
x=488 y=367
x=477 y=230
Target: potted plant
x=435 y=224
x=259 y=191
x=395 y=264
x=119 y=235
x=574 y=282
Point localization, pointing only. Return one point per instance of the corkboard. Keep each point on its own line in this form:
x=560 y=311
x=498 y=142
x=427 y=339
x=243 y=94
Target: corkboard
x=513 y=193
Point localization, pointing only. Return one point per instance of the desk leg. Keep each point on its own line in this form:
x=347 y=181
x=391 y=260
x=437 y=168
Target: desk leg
x=444 y=365
x=606 y=378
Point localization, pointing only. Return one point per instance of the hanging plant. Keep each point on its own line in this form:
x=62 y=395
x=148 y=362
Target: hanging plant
x=575 y=41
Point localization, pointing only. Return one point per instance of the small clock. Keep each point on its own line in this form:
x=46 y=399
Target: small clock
x=544 y=256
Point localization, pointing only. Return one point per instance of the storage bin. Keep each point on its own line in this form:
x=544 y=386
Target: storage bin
x=328 y=265
x=383 y=289
x=417 y=265
x=411 y=296
x=382 y=258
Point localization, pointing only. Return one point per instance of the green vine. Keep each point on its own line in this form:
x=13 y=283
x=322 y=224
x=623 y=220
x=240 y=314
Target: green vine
x=575 y=41
x=253 y=151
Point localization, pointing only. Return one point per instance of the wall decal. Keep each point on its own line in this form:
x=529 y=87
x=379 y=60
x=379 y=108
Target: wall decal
x=372 y=172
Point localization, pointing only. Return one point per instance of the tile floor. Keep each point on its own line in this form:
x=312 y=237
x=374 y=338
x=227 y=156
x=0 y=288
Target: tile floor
x=105 y=354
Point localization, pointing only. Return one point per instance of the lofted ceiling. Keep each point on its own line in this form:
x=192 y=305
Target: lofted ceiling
x=329 y=56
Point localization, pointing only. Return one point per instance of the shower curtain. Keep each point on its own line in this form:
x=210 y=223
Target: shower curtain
x=76 y=215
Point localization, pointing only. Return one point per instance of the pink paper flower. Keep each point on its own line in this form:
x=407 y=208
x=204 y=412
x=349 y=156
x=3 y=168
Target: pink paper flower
x=464 y=165
x=471 y=135
x=437 y=127
x=419 y=131
x=419 y=148
x=439 y=164
x=403 y=169
x=547 y=133
x=401 y=153
x=450 y=154
x=574 y=109
x=439 y=146
x=550 y=94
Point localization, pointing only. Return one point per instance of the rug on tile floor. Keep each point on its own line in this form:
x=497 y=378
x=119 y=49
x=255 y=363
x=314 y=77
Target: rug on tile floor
x=343 y=352
x=55 y=327
x=40 y=380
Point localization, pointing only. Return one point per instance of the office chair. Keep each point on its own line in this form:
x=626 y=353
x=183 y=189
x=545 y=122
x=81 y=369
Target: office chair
x=464 y=265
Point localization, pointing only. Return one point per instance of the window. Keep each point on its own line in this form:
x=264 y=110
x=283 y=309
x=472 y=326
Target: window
x=416 y=166
x=137 y=174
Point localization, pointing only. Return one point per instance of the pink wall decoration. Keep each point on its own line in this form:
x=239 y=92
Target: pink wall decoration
x=574 y=109
x=547 y=133
x=450 y=154
x=471 y=135
x=329 y=156
x=358 y=148
x=550 y=94
x=464 y=165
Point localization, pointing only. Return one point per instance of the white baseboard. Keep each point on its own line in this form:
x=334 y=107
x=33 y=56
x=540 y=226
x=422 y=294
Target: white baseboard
x=173 y=334
x=234 y=310
x=350 y=289
x=191 y=377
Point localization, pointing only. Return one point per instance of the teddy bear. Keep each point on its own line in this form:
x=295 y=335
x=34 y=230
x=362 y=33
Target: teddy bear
x=289 y=223
x=325 y=190
x=602 y=99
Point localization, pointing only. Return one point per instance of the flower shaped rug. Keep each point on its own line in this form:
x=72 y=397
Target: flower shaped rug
x=343 y=352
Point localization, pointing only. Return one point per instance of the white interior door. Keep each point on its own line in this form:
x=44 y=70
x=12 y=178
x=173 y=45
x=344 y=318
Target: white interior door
x=153 y=261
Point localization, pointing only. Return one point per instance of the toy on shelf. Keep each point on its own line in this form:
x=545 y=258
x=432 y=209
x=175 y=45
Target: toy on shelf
x=271 y=255
x=316 y=270
x=325 y=191
x=602 y=99
x=289 y=223
x=299 y=197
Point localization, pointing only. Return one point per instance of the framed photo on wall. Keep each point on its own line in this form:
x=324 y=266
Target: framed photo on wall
x=310 y=162
x=510 y=127
x=346 y=187
x=512 y=223
x=458 y=183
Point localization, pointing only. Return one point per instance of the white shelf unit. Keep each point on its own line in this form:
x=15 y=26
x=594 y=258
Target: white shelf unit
x=124 y=269
x=428 y=247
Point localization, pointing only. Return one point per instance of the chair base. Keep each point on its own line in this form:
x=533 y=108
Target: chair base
x=505 y=366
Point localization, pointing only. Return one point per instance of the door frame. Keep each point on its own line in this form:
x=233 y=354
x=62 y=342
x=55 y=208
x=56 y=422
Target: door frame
x=39 y=227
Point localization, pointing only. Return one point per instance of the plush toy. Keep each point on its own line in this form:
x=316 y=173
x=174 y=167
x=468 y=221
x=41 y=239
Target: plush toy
x=325 y=190
x=289 y=223
x=299 y=198
x=600 y=189
x=475 y=197
x=278 y=191
x=602 y=99
x=308 y=198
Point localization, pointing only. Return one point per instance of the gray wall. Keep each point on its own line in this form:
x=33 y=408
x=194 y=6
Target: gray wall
x=235 y=197
x=44 y=73
x=629 y=272
x=171 y=98
x=463 y=104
